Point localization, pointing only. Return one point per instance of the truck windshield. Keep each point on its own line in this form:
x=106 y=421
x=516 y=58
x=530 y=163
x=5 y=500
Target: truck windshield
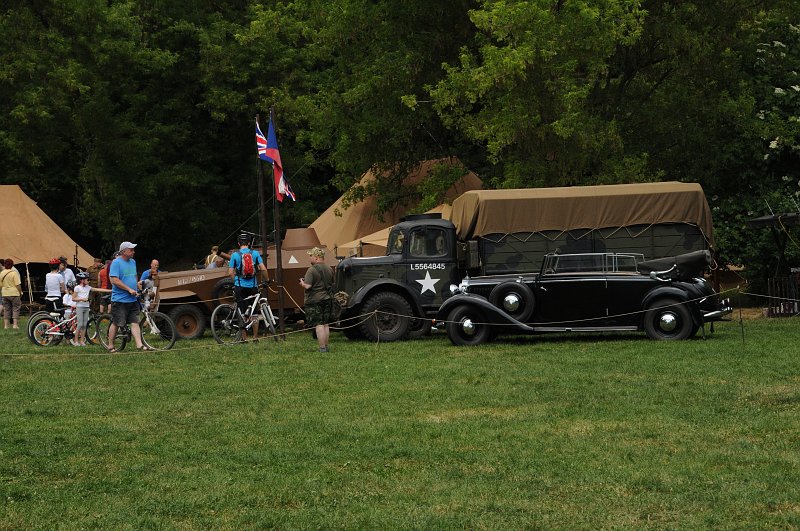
x=428 y=242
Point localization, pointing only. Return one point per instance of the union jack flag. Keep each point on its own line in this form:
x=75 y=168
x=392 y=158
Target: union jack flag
x=261 y=144
x=268 y=150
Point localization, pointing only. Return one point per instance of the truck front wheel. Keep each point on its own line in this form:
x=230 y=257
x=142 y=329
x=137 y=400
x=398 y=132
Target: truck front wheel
x=468 y=326
x=389 y=319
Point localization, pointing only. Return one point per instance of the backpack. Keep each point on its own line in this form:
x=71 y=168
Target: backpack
x=247 y=269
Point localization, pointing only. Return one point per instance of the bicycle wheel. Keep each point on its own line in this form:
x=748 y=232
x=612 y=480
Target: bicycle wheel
x=92 y=330
x=158 y=330
x=37 y=315
x=226 y=324
x=45 y=332
x=120 y=340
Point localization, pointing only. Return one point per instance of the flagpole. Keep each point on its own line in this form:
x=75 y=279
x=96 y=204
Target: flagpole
x=278 y=258
x=262 y=208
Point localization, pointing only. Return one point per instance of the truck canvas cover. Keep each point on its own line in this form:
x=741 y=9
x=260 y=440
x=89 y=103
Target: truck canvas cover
x=479 y=213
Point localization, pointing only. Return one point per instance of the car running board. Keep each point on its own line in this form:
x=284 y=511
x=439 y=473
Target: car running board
x=585 y=328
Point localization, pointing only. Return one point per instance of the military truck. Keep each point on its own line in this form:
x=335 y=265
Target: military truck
x=496 y=234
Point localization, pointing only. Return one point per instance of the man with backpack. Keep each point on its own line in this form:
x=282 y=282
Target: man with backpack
x=242 y=269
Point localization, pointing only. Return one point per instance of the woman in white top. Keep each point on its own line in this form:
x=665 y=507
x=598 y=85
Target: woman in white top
x=54 y=286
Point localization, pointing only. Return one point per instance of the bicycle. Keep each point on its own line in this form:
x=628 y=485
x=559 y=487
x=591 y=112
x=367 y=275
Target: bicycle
x=228 y=323
x=49 y=328
x=158 y=330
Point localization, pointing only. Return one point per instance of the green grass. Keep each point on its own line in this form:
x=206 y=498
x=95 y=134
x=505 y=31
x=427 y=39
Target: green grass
x=547 y=431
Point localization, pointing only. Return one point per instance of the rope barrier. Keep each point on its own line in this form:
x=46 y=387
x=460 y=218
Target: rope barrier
x=358 y=320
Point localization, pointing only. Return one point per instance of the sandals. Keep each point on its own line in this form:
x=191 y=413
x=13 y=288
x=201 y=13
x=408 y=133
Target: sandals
x=145 y=348
x=111 y=350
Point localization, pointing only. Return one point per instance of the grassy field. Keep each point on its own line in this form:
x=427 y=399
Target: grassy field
x=547 y=431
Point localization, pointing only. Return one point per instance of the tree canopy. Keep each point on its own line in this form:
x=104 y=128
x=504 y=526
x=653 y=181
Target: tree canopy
x=128 y=119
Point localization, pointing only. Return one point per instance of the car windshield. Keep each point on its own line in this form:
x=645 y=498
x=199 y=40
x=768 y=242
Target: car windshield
x=591 y=263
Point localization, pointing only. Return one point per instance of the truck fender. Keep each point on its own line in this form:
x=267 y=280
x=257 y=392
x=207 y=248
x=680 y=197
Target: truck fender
x=493 y=314
x=674 y=293
x=386 y=284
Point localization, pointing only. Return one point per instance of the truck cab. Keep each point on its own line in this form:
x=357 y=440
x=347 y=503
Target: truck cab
x=395 y=296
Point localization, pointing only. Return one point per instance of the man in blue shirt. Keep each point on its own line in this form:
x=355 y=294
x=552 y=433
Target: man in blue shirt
x=124 y=297
x=244 y=287
x=151 y=273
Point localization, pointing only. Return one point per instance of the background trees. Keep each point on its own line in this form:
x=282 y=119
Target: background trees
x=127 y=119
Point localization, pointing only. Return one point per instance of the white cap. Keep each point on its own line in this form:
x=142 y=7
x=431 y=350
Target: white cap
x=126 y=245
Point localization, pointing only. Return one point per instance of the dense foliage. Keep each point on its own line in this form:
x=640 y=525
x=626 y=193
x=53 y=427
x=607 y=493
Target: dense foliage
x=129 y=119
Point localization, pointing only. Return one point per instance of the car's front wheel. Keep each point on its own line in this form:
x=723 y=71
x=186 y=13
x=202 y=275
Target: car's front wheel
x=467 y=326
x=668 y=319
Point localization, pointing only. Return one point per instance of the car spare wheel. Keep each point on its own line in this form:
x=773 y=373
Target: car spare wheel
x=190 y=322
x=514 y=298
x=222 y=292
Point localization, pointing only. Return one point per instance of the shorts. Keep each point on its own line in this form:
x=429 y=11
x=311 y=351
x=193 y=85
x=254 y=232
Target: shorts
x=105 y=300
x=53 y=305
x=123 y=313
x=11 y=306
x=82 y=318
x=241 y=294
x=318 y=313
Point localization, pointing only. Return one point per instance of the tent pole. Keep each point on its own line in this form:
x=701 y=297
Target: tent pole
x=30 y=289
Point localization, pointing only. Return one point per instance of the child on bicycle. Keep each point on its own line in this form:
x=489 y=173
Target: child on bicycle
x=80 y=297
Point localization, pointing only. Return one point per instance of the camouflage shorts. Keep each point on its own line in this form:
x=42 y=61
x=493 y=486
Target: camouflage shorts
x=318 y=313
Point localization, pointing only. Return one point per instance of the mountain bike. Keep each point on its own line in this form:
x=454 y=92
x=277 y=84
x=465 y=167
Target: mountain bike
x=158 y=330
x=228 y=322
x=49 y=328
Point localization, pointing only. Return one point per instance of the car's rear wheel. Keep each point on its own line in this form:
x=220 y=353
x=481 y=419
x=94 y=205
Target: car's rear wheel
x=668 y=319
x=468 y=326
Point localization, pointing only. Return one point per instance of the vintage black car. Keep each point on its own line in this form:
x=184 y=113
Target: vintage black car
x=668 y=298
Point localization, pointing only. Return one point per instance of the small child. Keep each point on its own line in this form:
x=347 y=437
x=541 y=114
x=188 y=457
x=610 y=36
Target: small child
x=81 y=298
x=69 y=306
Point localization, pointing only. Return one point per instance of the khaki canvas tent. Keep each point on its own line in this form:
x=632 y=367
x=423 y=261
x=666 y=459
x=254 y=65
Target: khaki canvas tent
x=361 y=219
x=28 y=235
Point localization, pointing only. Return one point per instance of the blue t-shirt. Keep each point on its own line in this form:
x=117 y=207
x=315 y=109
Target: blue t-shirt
x=236 y=264
x=146 y=275
x=125 y=270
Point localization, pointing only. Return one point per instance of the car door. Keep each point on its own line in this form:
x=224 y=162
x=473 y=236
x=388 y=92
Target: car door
x=571 y=293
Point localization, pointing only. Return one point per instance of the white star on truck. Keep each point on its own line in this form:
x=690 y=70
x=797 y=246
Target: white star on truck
x=428 y=283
